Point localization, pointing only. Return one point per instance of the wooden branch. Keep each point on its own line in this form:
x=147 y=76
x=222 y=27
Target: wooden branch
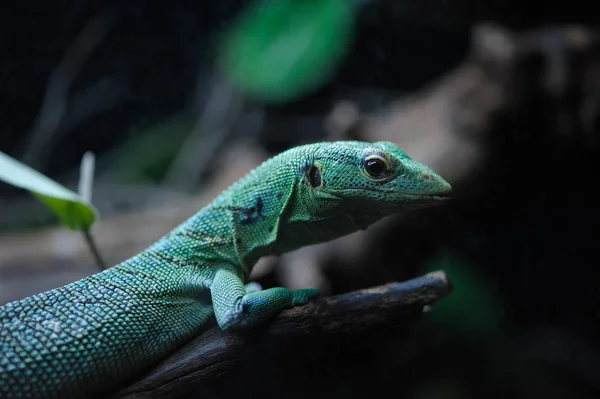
x=299 y=333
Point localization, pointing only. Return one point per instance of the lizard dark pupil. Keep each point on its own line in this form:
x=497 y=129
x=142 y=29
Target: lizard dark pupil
x=375 y=167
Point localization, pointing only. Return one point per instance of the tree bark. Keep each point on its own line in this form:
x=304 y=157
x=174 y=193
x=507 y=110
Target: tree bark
x=305 y=334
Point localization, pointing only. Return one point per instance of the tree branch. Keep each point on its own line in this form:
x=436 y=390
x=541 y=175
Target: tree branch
x=299 y=333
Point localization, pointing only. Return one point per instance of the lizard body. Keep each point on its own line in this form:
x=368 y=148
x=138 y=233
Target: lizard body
x=91 y=335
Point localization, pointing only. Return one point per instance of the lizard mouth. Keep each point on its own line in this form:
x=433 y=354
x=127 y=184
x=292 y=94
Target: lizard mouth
x=428 y=198
x=441 y=196
x=435 y=196
x=411 y=200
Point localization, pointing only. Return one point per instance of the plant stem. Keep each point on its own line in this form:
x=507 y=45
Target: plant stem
x=94 y=249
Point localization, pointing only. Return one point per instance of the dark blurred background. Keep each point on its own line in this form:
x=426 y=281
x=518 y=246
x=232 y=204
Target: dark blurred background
x=502 y=98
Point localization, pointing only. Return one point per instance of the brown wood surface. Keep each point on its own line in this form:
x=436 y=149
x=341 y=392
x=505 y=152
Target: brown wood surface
x=302 y=333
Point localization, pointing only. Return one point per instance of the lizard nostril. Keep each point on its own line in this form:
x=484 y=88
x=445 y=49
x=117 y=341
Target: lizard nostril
x=425 y=176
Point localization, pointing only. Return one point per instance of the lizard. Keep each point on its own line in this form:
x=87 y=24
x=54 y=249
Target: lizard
x=89 y=336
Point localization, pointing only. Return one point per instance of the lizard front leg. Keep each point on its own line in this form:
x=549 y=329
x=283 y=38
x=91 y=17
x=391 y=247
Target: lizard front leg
x=234 y=308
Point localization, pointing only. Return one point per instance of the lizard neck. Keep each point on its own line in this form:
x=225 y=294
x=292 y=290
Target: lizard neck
x=237 y=227
x=262 y=214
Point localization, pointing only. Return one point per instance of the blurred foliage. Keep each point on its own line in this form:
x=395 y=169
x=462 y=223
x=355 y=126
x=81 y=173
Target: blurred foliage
x=70 y=209
x=148 y=153
x=278 y=51
x=473 y=307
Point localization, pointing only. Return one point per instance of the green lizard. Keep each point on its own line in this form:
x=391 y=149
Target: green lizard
x=91 y=335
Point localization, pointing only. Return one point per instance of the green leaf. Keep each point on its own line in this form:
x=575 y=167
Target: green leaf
x=69 y=207
x=147 y=155
x=473 y=305
x=281 y=49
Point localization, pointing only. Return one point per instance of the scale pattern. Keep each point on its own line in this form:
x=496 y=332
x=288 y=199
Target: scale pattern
x=89 y=337
x=94 y=330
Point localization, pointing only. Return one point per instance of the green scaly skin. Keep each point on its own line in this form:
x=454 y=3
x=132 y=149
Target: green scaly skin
x=90 y=336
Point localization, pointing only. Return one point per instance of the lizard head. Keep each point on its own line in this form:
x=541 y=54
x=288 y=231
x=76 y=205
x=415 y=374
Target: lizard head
x=371 y=179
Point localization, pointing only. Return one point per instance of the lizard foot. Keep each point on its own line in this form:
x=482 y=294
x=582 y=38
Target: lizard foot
x=302 y=296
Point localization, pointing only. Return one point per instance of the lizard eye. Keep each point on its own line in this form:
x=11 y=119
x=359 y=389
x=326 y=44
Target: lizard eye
x=376 y=166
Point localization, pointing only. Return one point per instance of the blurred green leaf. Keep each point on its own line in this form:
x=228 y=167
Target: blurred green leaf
x=280 y=50
x=69 y=208
x=473 y=305
x=147 y=155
